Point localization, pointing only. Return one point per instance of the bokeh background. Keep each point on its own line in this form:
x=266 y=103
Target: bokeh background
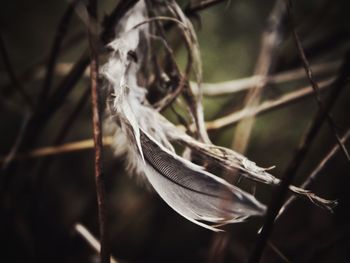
x=39 y=206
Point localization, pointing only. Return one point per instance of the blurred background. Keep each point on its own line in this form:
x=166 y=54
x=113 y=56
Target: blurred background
x=43 y=198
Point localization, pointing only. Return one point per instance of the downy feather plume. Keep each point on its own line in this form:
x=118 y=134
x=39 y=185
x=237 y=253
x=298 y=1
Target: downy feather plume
x=144 y=136
x=194 y=193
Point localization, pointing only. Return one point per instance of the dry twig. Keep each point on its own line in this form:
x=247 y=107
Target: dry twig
x=271 y=39
x=55 y=50
x=97 y=133
x=312 y=177
x=90 y=239
x=265 y=106
x=212 y=125
x=323 y=112
x=233 y=86
x=314 y=85
x=12 y=75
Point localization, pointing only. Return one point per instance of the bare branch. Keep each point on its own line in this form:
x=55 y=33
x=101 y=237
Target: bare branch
x=12 y=75
x=212 y=125
x=97 y=132
x=192 y=10
x=233 y=86
x=271 y=39
x=90 y=239
x=266 y=106
x=55 y=50
x=312 y=177
x=281 y=192
x=313 y=83
x=59 y=149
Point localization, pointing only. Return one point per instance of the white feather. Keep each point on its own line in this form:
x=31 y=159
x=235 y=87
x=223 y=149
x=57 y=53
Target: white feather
x=194 y=193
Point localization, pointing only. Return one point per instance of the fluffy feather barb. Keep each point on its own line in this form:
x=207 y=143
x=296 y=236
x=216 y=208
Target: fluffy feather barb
x=194 y=193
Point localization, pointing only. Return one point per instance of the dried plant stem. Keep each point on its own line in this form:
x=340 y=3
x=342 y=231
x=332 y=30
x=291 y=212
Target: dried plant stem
x=194 y=101
x=271 y=39
x=213 y=125
x=55 y=50
x=314 y=85
x=97 y=133
x=13 y=152
x=264 y=107
x=312 y=177
x=306 y=142
x=90 y=239
x=226 y=87
x=59 y=149
x=193 y=9
x=63 y=132
x=278 y=252
x=18 y=87
x=38 y=70
x=12 y=75
x=40 y=118
x=233 y=86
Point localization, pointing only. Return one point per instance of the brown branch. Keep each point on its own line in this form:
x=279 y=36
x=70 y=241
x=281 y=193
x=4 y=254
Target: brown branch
x=62 y=134
x=90 y=239
x=41 y=117
x=213 y=125
x=55 y=50
x=12 y=75
x=312 y=177
x=192 y=10
x=194 y=101
x=278 y=252
x=183 y=86
x=265 y=106
x=281 y=192
x=313 y=83
x=237 y=85
x=97 y=132
x=59 y=149
x=37 y=70
x=271 y=39
x=13 y=152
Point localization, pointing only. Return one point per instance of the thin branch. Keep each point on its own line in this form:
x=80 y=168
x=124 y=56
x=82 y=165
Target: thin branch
x=226 y=87
x=313 y=83
x=64 y=130
x=70 y=120
x=12 y=75
x=59 y=149
x=106 y=35
x=213 y=125
x=278 y=252
x=13 y=152
x=194 y=101
x=233 y=86
x=264 y=107
x=160 y=18
x=312 y=177
x=97 y=132
x=271 y=39
x=90 y=239
x=191 y=10
x=55 y=50
x=37 y=69
x=41 y=117
x=306 y=142
x=50 y=106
